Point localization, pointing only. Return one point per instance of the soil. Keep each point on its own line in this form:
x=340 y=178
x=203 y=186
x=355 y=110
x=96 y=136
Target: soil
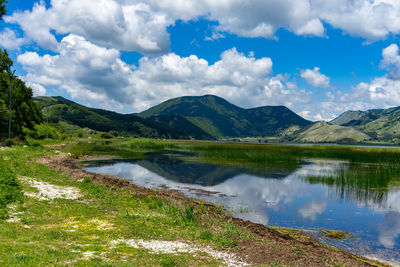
x=270 y=247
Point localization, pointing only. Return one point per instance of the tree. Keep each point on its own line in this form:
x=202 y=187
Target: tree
x=25 y=112
x=3 y=9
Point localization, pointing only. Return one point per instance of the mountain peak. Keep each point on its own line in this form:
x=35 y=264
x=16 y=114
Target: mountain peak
x=222 y=118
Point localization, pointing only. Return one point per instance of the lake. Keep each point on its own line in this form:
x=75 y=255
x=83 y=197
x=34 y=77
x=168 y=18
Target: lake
x=360 y=198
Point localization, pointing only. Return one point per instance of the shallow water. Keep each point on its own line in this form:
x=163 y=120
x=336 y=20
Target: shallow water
x=328 y=194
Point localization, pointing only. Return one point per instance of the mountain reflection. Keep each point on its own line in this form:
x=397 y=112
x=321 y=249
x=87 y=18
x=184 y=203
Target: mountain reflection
x=174 y=167
x=362 y=199
x=361 y=184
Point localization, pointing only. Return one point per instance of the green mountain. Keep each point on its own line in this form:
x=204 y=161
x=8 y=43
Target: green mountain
x=219 y=118
x=380 y=124
x=322 y=132
x=348 y=116
x=61 y=109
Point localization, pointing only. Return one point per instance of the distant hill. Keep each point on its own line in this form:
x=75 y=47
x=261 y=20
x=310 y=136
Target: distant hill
x=380 y=124
x=61 y=109
x=219 y=118
x=347 y=117
x=322 y=132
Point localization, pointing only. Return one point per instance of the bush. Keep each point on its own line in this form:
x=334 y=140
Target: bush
x=9 y=142
x=33 y=143
x=10 y=190
x=106 y=135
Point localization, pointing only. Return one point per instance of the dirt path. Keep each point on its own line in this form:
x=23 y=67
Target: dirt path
x=270 y=247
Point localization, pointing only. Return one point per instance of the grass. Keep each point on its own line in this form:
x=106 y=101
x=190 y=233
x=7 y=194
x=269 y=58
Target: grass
x=10 y=190
x=361 y=182
x=80 y=232
x=62 y=232
x=234 y=153
x=335 y=234
x=370 y=173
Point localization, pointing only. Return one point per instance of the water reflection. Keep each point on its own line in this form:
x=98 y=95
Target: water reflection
x=361 y=199
x=312 y=209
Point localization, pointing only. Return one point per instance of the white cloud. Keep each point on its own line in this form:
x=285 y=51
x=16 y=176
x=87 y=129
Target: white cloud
x=36 y=25
x=37 y=89
x=82 y=69
x=315 y=78
x=132 y=26
x=9 y=40
x=95 y=74
x=312 y=209
x=371 y=19
x=391 y=61
x=308 y=115
x=139 y=25
x=245 y=81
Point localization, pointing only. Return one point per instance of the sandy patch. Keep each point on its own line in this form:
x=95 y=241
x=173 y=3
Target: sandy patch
x=88 y=254
x=49 y=192
x=72 y=225
x=13 y=214
x=171 y=247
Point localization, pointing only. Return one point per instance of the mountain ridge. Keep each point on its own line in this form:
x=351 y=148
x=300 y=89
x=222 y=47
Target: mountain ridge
x=224 y=119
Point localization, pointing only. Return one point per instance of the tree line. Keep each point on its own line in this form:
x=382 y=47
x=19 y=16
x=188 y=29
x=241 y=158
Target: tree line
x=25 y=113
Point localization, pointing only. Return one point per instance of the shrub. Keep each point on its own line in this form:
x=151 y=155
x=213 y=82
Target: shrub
x=9 y=142
x=10 y=190
x=106 y=135
x=33 y=143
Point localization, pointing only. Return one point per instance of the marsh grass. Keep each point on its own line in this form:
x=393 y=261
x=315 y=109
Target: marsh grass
x=361 y=182
x=252 y=155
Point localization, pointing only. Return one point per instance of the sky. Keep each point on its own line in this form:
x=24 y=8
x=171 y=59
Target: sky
x=319 y=58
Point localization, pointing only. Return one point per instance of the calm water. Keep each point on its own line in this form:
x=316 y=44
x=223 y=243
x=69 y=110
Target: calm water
x=315 y=194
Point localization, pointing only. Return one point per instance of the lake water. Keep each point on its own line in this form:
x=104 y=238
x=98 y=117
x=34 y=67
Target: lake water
x=312 y=195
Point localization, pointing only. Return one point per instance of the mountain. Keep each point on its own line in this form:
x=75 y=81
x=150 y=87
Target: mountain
x=322 y=132
x=219 y=118
x=380 y=124
x=61 y=109
x=348 y=116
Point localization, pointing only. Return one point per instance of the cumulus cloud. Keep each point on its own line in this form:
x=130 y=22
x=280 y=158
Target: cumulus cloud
x=371 y=19
x=9 y=40
x=82 y=69
x=381 y=92
x=315 y=78
x=243 y=80
x=37 y=89
x=130 y=26
x=93 y=73
x=142 y=25
x=391 y=61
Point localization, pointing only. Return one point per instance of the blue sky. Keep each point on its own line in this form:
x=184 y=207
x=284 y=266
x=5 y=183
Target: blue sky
x=319 y=58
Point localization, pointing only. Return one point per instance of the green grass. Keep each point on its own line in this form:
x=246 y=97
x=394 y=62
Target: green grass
x=10 y=190
x=233 y=153
x=362 y=182
x=61 y=231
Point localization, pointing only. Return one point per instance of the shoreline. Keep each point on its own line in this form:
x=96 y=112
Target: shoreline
x=312 y=250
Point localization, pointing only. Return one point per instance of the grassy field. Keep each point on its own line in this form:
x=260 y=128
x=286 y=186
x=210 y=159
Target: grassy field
x=85 y=231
